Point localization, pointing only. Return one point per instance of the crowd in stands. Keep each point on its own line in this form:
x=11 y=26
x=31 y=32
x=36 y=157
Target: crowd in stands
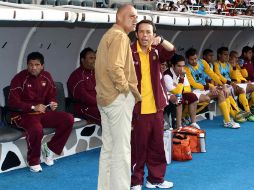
x=225 y=7
x=203 y=7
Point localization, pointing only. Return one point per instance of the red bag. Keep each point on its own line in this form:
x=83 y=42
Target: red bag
x=181 y=147
x=194 y=134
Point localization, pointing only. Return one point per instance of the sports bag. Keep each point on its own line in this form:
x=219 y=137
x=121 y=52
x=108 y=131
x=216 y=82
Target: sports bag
x=181 y=147
x=196 y=136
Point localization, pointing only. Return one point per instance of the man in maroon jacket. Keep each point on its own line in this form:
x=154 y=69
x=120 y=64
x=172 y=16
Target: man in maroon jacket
x=248 y=62
x=81 y=87
x=33 y=91
x=149 y=52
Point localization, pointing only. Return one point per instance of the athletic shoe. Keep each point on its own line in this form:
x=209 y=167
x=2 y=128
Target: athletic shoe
x=35 y=168
x=47 y=154
x=231 y=125
x=136 y=187
x=250 y=117
x=195 y=125
x=163 y=185
x=241 y=117
x=237 y=125
x=186 y=121
x=252 y=109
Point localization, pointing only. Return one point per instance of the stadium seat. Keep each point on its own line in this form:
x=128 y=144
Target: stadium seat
x=61 y=2
x=102 y=3
x=12 y=1
x=87 y=3
x=139 y=6
x=75 y=2
x=115 y=5
x=147 y=7
x=48 y=2
x=26 y=1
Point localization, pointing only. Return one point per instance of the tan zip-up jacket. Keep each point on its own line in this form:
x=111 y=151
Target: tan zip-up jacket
x=114 y=67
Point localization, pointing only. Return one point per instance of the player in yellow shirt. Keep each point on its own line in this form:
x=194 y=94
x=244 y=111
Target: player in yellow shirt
x=197 y=70
x=225 y=71
x=237 y=114
x=239 y=75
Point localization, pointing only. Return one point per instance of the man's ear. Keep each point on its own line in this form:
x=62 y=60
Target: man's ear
x=136 y=34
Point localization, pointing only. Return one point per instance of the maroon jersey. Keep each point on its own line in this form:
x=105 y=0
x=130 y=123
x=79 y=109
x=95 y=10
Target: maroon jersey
x=249 y=66
x=81 y=86
x=27 y=90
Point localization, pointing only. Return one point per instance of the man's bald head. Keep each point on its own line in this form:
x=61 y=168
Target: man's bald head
x=126 y=17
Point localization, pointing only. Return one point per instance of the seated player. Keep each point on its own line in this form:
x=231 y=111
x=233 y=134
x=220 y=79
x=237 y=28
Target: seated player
x=33 y=91
x=224 y=70
x=81 y=87
x=196 y=70
x=235 y=112
x=177 y=83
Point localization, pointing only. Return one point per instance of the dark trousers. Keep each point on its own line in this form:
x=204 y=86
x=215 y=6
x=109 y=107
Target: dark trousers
x=90 y=113
x=170 y=110
x=33 y=125
x=147 y=148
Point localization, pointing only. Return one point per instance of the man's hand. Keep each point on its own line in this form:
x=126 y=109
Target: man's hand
x=40 y=108
x=156 y=40
x=173 y=99
x=226 y=91
x=214 y=91
x=53 y=105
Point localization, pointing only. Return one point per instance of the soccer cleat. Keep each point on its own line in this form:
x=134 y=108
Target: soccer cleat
x=163 y=185
x=252 y=109
x=241 y=117
x=136 y=187
x=250 y=117
x=35 y=168
x=195 y=125
x=47 y=154
x=232 y=125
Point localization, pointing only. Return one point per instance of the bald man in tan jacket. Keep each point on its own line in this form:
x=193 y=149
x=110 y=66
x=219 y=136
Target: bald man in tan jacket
x=116 y=87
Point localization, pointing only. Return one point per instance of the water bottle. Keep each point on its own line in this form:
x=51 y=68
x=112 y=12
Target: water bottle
x=179 y=98
x=167 y=138
x=241 y=62
x=202 y=142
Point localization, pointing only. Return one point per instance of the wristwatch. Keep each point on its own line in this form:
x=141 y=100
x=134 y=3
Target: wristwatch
x=32 y=107
x=162 y=39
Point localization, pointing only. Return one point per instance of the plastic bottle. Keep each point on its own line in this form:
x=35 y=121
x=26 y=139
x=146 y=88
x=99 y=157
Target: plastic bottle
x=202 y=142
x=241 y=62
x=179 y=98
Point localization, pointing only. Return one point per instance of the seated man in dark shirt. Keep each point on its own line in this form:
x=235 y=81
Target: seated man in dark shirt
x=81 y=87
x=33 y=91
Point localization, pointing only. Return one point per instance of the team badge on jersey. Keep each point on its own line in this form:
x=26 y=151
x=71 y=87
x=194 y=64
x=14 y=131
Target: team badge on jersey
x=43 y=83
